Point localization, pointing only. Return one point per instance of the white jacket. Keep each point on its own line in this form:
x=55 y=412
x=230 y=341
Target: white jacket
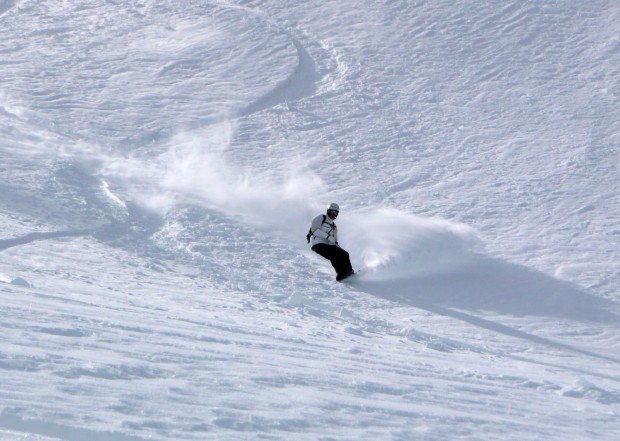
x=323 y=231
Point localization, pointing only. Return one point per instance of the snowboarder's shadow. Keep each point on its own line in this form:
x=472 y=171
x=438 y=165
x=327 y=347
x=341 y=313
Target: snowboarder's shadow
x=486 y=285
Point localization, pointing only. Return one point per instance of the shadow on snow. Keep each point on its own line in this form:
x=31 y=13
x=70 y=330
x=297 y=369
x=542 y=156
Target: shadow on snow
x=491 y=285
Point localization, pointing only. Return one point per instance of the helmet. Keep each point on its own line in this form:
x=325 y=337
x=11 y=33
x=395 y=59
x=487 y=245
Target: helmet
x=332 y=211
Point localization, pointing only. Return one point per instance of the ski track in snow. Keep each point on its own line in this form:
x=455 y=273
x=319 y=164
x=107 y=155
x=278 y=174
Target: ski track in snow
x=161 y=162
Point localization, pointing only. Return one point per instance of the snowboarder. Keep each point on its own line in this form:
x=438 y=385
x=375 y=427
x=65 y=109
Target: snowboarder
x=323 y=236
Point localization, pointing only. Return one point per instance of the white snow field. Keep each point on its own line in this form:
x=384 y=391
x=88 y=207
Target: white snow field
x=161 y=160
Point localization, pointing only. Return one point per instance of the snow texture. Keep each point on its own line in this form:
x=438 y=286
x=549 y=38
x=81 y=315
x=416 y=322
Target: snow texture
x=160 y=162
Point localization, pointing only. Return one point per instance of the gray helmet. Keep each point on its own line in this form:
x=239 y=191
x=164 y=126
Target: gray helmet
x=333 y=207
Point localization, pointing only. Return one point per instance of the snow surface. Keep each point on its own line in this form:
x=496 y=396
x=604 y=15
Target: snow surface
x=160 y=164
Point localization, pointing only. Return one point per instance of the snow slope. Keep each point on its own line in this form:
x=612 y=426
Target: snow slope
x=160 y=164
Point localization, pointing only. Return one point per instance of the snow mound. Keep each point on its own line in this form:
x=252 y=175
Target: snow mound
x=18 y=281
x=585 y=389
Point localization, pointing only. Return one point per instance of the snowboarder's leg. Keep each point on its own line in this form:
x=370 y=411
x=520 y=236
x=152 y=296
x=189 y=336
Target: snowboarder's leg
x=326 y=251
x=342 y=262
x=338 y=257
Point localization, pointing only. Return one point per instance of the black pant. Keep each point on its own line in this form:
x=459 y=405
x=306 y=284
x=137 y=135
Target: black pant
x=336 y=255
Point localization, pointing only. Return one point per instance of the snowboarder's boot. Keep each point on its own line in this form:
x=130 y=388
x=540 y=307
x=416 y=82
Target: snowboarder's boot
x=340 y=277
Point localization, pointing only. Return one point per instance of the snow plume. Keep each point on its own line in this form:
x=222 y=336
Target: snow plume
x=197 y=168
x=393 y=244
